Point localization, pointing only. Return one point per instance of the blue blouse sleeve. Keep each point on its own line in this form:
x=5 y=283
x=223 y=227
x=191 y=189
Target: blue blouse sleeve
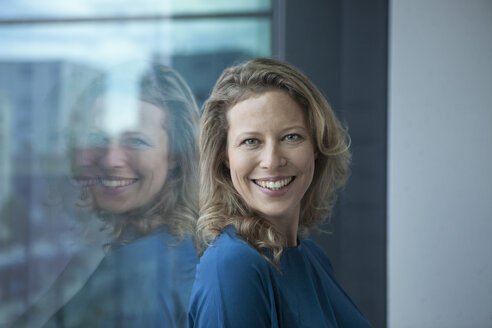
x=232 y=288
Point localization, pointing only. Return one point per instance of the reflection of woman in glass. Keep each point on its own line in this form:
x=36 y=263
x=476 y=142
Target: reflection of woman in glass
x=135 y=157
x=273 y=154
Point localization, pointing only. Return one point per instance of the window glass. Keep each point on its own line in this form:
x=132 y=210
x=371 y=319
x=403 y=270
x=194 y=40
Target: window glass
x=182 y=43
x=46 y=71
x=97 y=8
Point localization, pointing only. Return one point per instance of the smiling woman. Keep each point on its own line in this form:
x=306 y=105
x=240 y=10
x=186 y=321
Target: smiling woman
x=134 y=150
x=273 y=155
x=139 y=176
x=270 y=154
x=125 y=171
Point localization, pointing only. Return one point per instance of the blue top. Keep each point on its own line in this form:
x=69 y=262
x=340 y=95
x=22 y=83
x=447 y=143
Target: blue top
x=143 y=284
x=236 y=287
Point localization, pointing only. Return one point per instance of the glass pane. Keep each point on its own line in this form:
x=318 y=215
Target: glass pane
x=95 y=8
x=45 y=71
x=180 y=44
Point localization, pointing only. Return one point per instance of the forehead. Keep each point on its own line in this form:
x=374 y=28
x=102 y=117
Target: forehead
x=270 y=108
x=118 y=116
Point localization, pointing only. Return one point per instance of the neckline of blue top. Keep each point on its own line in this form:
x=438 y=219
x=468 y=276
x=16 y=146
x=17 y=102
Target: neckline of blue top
x=231 y=231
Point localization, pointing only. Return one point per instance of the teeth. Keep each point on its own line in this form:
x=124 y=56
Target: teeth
x=116 y=183
x=87 y=182
x=273 y=185
x=108 y=183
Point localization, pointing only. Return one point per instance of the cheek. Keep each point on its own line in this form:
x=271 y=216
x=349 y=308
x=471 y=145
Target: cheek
x=239 y=170
x=86 y=156
x=235 y=172
x=307 y=161
x=159 y=166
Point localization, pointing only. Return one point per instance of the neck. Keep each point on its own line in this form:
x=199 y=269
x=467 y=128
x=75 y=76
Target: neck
x=291 y=240
x=288 y=227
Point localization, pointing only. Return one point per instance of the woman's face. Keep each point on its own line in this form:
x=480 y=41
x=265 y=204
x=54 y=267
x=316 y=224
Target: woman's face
x=125 y=162
x=270 y=155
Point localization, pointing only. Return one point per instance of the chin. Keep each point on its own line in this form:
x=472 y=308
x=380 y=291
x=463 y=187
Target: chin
x=112 y=208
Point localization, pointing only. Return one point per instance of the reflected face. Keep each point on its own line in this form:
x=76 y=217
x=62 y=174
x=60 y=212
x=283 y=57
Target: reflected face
x=270 y=155
x=124 y=170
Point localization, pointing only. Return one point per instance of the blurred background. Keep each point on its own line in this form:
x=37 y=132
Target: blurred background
x=411 y=238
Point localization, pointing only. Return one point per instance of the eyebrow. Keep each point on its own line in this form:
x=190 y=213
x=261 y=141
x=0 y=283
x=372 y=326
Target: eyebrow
x=295 y=127
x=120 y=135
x=253 y=133
x=134 y=133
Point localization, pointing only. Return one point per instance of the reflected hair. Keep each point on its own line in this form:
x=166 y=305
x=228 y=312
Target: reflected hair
x=220 y=203
x=176 y=204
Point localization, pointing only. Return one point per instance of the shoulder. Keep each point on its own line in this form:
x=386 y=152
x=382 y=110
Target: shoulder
x=233 y=285
x=312 y=247
x=156 y=259
x=229 y=254
x=230 y=263
x=228 y=243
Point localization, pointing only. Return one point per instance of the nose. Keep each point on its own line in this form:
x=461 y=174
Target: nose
x=113 y=157
x=272 y=157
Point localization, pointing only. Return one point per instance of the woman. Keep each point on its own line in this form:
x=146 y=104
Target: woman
x=134 y=154
x=273 y=154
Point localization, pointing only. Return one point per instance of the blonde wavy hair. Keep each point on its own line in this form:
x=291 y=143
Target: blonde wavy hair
x=220 y=203
x=176 y=204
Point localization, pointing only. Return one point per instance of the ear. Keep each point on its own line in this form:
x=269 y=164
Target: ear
x=226 y=163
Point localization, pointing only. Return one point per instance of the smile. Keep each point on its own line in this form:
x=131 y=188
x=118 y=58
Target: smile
x=116 y=182
x=108 y=182
x=87 y=181
x=274 y=185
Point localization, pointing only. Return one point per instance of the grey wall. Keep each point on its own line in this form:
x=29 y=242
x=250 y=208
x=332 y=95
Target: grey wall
x=440 y=162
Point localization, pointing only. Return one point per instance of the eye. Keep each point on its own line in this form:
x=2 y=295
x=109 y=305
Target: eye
x=97 y=140
x=250 y=142
x=135 y=142
x=292 y=137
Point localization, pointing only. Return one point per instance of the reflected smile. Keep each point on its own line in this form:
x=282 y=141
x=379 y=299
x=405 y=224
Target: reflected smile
x=107 y=182
x=273 y=183
x=87 y=181
x=116 y=182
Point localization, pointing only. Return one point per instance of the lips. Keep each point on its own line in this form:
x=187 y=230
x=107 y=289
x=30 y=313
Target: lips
x=83 y=181
x=106 y=181
x=274 y=183
x=116 y=182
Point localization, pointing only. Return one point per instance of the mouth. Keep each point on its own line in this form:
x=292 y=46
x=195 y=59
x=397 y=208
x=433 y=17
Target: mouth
x=274 y=184
x=115 y=182
x=83 y=181
x=107 y=182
